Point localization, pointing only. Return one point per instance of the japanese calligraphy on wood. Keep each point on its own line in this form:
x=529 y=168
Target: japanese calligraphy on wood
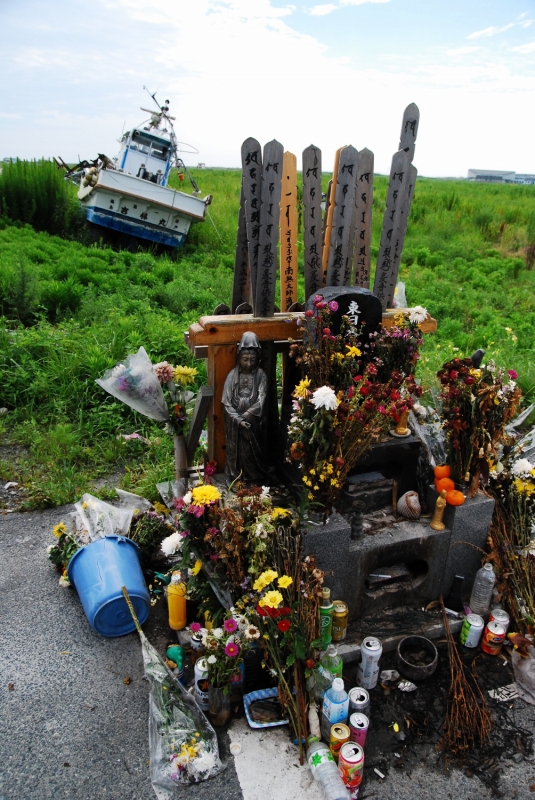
x=251 y=159
x=363 y=218
x=264 y=298
x=392 y=217
x=400 y=231
x=288 y=232
x=312 y=225
x=241 y=289
x=339 y=265
x=329 y=210
x=409 y=130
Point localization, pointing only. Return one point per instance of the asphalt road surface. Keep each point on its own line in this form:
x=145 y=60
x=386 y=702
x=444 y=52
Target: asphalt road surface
x=71 y=728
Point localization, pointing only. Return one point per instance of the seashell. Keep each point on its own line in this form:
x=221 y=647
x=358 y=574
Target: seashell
x=409 y=505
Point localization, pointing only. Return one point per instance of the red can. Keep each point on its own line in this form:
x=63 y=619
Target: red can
x=351 y=764
x=493 y=638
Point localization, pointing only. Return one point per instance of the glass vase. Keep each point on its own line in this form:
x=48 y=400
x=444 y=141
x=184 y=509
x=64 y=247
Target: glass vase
x=218 y=705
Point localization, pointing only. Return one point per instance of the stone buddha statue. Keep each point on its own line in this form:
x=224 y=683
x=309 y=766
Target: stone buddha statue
x=244 y=401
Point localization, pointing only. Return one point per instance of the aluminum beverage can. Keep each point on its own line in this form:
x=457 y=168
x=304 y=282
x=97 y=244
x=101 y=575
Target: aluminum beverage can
x=340 y=617
x=500 y=616
x=471 y=631
x=493 y=638
x=326 y=624
x=351 y=765
x=339 y=736
x=359 y=701
x=358 y=728
x=368 y=670
x=201 y=683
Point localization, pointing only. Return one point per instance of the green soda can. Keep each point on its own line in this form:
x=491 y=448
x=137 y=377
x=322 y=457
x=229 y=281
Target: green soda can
x=326 y=617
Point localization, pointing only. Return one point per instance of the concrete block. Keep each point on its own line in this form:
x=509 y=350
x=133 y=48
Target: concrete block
x=469 y=525
x=329 y=544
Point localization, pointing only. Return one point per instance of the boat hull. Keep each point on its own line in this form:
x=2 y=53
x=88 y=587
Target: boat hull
x=137 y=207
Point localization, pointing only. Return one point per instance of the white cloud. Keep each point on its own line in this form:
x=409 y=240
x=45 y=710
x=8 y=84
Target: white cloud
x=492 y=31
x=524 y=48
x=322 y=10
x=463 y=51
x=360 y=2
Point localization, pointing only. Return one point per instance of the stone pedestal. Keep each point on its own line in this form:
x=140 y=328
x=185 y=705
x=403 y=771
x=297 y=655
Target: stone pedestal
x=329 y=543
x=469 y=525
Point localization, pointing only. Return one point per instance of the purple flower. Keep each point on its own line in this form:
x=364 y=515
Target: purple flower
x=194 y=627
x=333 y=305
x=246 y=582
x=197 y=511
x=513 y=374
x=184 y=533
x=232 y=650
x=230 y=625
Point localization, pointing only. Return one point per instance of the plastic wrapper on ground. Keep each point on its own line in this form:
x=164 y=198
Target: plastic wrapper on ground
x=96 y=519
x=524 y=672
x=134 y=382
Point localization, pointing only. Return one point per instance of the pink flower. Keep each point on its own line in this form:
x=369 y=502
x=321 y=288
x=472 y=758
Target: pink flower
x=164 y=372
x=194 y=627
x=318 y=298
x=326 y=331
x=232 y=650
x=333 y=305
x=513 y=374
x=230 y=625
x=381 y=409
x=184 y=534
x=309 y=313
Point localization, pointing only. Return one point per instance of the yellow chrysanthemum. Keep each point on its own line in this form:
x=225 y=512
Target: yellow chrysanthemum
x=185 y=375
x=161 y=509
x=284 y=581
x=280 y=512
x=352 y=352
x=196 y=567
x=59 y=529
x=271 y=599
x=264 y=579
x=204 y=495
x=301 y=390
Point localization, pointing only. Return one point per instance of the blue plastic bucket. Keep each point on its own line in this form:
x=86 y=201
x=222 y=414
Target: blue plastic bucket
x=98 y=572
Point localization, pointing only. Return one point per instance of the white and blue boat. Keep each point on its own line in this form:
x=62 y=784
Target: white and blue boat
x=129 y=193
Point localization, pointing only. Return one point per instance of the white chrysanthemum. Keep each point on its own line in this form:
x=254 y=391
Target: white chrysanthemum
x=325 y=397
x=211 y=659
x=205 y=762
x=264 y=494
x=187 y=498
x=218 y=633
x=522 y=467
x=418 y=314
x=172 y=544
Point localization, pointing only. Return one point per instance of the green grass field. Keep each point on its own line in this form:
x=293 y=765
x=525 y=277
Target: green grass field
x=69 y=310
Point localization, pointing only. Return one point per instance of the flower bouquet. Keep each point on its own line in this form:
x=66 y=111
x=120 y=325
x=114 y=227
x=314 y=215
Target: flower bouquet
x=477 y=404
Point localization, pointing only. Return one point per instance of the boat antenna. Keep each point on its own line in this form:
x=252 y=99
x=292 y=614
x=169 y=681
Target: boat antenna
x=153 y=95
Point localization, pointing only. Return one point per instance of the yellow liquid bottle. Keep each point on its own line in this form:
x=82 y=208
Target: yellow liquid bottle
x=176 y=602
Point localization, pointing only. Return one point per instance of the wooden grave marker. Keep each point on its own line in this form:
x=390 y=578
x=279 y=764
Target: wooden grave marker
x=251 y=160
x=264 y=298
x=241 y=288
x=312 y=223
x=363 y=222
x=409 y=130
x=328 y=218
x=288 y=232
x=338 y=269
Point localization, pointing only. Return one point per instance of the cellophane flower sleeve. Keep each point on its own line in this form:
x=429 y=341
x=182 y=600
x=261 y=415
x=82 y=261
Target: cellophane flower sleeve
x=134 y=382
x=183 y=744
x=96 y=518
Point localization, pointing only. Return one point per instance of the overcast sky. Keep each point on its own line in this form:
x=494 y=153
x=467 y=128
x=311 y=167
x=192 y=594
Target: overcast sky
x=329 y=73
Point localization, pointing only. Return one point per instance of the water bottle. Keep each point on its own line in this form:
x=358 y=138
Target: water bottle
x=324 y=770
x=335 y=708
x=482 y=590
x=331 y=664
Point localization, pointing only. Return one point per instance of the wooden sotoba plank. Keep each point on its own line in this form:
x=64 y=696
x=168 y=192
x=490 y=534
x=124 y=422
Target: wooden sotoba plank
x=288 y=232
x=200 y=412
x=264 y=298
x=312 y=226
x=363 y=224
x=329 y=211
x=251 y=161
x=400 y=230
x=241 y=289
x=409 y=130
x=339 y=264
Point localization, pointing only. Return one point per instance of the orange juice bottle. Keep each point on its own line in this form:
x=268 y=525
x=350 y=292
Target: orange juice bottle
x=176 y=602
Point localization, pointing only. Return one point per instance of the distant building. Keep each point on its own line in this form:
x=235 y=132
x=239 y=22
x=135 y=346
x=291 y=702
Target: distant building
x=524 y=178
x=490 y=176
x=201 y=165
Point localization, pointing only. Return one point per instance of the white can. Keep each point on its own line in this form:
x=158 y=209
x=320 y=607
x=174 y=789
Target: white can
x=471 y=630
x=201 y=684
x=500 y=616
x=371 y=650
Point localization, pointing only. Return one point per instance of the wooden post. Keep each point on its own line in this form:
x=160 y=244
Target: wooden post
x=251 y=161
x=363 y=224
x=409 y=130
x=200 y=412
x=338 y=270
x=241 y=289
x=221 y=359
x=401 y=230
x=264 y=300
x=312 y=219
x=288 y=232
x=328 y=219
x=395 y=196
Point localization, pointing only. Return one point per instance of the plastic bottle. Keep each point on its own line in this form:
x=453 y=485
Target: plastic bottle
x=482 y=590
x=324 y=770
x=326 y=617
x=331 y=664
x=176 y=602
x=335 y=707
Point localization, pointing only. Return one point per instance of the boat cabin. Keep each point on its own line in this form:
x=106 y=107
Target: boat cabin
x=145 y=154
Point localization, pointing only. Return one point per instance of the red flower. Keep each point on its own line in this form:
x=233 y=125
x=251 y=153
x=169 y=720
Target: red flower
x=326 y=331
x=357 y=378
x=364 y=390
x=262 y=612
x=309 y=313
x=310 y=663
x=284 y=625
x=369 y=405
x=469 y=380
x=513 y=374
x=453 y=374
x=284 y=611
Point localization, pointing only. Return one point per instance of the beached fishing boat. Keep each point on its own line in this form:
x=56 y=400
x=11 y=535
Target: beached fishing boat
x=129 y=193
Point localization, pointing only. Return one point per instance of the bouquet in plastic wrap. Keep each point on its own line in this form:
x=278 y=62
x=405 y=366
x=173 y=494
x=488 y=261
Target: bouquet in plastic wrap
x=135 y=382
x=183 y=744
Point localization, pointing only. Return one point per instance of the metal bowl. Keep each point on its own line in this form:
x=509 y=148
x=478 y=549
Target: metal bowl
x=416 y=672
